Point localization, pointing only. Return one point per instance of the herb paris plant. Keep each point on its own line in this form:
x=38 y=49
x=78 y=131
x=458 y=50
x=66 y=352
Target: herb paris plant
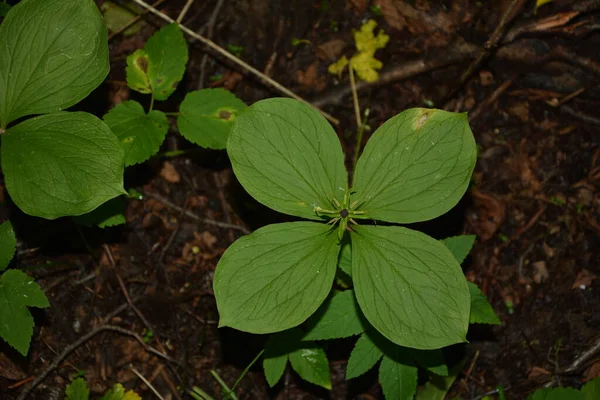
x=415 y=167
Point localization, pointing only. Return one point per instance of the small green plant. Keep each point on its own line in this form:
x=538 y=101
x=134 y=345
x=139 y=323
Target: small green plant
x=78 y=390
x=589 y=391
x=409 y=296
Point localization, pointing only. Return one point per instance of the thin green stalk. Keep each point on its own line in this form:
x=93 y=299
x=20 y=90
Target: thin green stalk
x=245 y=371
x=199 y=394
x=151 y=103
x=224 y=386
x=359 y=124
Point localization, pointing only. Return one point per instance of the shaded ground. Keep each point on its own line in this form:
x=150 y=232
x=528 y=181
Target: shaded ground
x=533 y=204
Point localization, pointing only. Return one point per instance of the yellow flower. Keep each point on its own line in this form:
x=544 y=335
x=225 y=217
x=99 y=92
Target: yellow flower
x=338 y=67
x=366 y=66
x=366 y=41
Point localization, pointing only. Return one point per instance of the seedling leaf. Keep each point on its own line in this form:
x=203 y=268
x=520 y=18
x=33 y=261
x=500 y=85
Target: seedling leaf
x=310 y=362
x=276 y=277
x=140 y=134
x=338 y=317
x=206 y=117
x=78 y=390
x=481 y=310
x=460 y=246
x=17 y=292
x=415 y=167
x=8 y=244
x=288 y=157
x=398 y=376
x=409 y=286
x=61 y=164
x=557 y=394
x=364 y=356
x=53 y=53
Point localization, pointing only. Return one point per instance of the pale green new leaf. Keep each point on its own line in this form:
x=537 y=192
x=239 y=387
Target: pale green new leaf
x=288 y=157
x=460 y=246
x=398 y=376
x=276 y=277
x=364 y=356
x=338 y=317
x=160 y=66
x=557 y=394
x=481 y=310
x=78 y=390
x=310 y=362
x=415 y=167
x=8 y=244
x=61 y=164
x=409 y=286
x=140 y=134
x=111 y=213
x=17 y=292
x=591 y=390
x=206 y=117
x=53 y=53
x=118 y=393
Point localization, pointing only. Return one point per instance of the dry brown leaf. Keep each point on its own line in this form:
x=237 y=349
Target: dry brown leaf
x=593 y=372
x=486 y=78
x=583 y=280
x=540 y=272
x=489 y=215
x=331 y=50
x=9 y=369
x=359 y=6
x=310 y=78
x=519 y=110
x=169 y=172
x=538 y=372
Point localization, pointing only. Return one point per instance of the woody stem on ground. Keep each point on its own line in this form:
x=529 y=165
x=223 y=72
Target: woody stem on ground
x=212 y=45
x=360 y=127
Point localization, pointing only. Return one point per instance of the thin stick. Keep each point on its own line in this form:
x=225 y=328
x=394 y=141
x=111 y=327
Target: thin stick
x=184 y=11
x=135 y=371
x=133 y=21
x=245 y=371
x=69 y=349
x=359 y=125
x=209 y=33
x=236 y=60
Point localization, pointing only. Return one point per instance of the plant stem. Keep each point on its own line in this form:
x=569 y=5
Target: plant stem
x=151 y=103
x=200 y=394
x=245 y=371
x=224 y=386
x=359 y=124
x=172 y=114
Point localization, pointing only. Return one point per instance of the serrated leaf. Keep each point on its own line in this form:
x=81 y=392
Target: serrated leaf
x=364 y=356
x=591 y=390
x=53 y=53
x=277 y=349
x=206 y=117
x=17 y=292
x=557 y=394
x=432 y=360
x=118 y=393
x=160 y=66
x=111 y=213
x=415 y=167
x=338 y=317
x=310 y=362
x=61 y=164
x=8 y=244
x=398 y=376
x=481 y=310
x=409 y=286
x=288 y=157
x=77 y=390
x=140 y=134
x=460 y=246
x=345 y=258
x=276 y=277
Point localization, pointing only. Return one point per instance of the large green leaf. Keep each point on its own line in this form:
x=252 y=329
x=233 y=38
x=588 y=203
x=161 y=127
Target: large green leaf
x=17 y=292
x=338 y=317
x=591 y=390
x=398 y=376
x=140 y=134
x=111 y=213
x=4 y=9
x=53 y=53
x=432 y=360
x=460 y=246
x=481 y=310
x=160 y=65
x=364 y=356
x=310 y=362
x=288 y=157
x=78 y=390
x=557 y=394
x=415 y=167
x=62 y=164
x=409 y=286
x=345 y=259
x=206 y=117
x=276 y=277
x=8 y=244
x=438 y=386
x=278 y=347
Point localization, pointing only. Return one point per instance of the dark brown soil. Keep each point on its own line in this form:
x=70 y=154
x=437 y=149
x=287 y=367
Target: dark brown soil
x=534 y=204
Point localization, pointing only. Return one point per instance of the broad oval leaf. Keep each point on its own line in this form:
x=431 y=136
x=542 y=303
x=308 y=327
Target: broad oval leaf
x=398 y=376
x=288 y=157
x=409 y=286
x=415 y=167
x=338 y=317
x=161 y=65
x=17 y=292
x=276 y=277
x=310 y=362
x=8 y=244
x=140 y=134
x=61 y=164
x=364 y=356
x=53 y=53
x=206 y=117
